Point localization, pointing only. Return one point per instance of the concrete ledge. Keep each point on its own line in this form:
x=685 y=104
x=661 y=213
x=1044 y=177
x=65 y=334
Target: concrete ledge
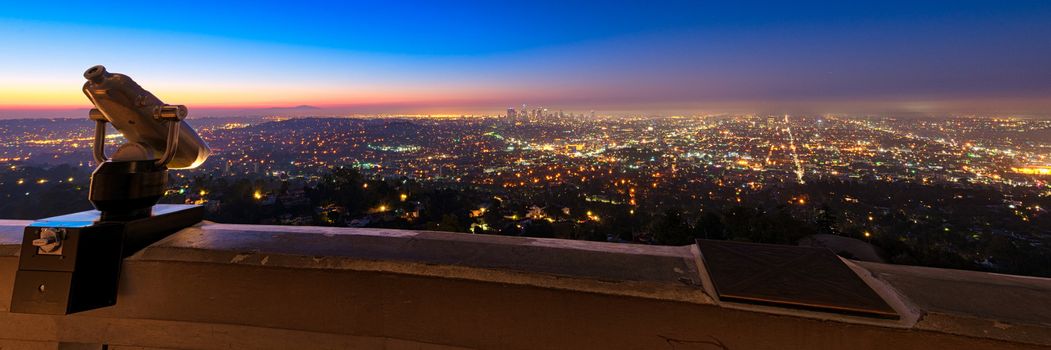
x=246 y=286
x=619 y=269
x=974 y=303
x=11 y=236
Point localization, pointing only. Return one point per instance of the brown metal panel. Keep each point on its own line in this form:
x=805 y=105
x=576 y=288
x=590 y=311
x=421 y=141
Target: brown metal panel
x=789 y=276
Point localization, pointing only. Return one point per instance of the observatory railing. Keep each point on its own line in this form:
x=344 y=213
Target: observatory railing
x=219 y=286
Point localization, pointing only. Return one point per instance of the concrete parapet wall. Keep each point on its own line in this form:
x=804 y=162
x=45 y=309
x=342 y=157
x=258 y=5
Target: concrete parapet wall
x=217 y=286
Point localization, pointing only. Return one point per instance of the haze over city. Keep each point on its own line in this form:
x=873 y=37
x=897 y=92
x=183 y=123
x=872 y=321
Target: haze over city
x=241 y=58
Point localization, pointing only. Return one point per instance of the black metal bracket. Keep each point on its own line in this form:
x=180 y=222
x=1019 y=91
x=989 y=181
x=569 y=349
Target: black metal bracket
x=71 y=263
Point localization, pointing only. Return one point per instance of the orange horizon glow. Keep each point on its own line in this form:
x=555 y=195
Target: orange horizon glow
x=250 y=98
x=496 y=104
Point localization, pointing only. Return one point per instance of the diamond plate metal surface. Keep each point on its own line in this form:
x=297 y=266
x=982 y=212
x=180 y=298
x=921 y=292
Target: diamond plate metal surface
x=789 y=276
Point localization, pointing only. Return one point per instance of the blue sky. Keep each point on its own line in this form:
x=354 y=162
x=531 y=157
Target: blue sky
x=474 y=56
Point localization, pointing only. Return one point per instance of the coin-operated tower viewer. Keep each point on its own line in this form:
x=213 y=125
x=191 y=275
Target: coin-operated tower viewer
x=72 y=263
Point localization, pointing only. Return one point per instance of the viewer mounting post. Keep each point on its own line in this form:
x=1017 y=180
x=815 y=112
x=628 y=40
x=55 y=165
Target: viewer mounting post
x=71 y=263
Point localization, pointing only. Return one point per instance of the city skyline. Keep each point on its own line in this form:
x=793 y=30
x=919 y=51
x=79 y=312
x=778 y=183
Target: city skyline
x=477 y=58
x=963 y=192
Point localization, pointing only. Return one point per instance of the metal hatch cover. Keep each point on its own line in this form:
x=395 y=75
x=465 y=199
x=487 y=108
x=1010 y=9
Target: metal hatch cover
x=789 y=276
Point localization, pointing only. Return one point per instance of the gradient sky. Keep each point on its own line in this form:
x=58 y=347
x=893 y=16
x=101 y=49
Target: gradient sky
x=475 y=57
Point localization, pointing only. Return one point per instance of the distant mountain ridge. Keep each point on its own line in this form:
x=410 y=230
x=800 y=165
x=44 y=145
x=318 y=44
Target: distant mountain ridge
x=299 y=107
